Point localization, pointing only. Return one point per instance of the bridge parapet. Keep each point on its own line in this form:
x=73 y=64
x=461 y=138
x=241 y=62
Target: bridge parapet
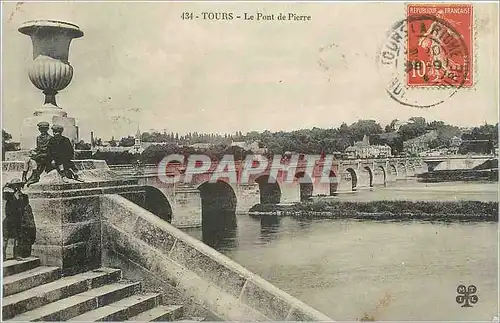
x=286 y=182
x=156 y=249
x=84 y=164
x=89 y=169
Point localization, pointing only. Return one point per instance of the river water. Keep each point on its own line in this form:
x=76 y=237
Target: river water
x=379 y=270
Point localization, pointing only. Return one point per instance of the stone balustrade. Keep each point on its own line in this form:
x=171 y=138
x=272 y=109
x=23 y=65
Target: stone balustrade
x=160 y=252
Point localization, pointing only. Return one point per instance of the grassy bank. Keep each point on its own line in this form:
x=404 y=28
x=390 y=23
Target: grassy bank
x=387 y=210
x=459 y=175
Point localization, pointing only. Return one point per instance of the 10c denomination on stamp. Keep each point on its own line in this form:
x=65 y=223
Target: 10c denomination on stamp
x=439 y=45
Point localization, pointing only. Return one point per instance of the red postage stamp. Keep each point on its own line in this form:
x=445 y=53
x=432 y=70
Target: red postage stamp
x=439 y=45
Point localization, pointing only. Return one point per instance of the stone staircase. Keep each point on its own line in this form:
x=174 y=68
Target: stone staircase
x=32 y=292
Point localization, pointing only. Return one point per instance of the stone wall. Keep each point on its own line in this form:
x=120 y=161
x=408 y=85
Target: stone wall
x=186 y=208
x=165 y=254
x=68 y=222
x=67 y=232
x=247 y=196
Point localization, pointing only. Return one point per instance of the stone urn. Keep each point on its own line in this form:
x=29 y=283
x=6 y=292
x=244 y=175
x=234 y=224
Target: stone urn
x=50 y=72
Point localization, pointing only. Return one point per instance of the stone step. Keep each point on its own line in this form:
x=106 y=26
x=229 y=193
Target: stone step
x=78 y=304
x=65 y=287
x=30 y=278
x=11 y=267
x=163 y=313
x=122 y=309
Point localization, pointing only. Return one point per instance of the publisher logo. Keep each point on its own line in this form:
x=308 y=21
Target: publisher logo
x=467 y=295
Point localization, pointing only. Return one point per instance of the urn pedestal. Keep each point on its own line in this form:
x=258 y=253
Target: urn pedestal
x=68 y=220
x=50 y=72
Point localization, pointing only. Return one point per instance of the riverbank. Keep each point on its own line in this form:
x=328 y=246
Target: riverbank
x=385 y=210
x=459 y=175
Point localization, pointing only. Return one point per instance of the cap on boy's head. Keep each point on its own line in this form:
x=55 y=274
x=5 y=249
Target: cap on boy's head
x=7 y=189
x=43 y=124
x=57 y=128
x=16 y=182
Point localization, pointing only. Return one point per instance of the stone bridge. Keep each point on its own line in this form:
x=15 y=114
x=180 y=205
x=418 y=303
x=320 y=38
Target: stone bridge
x=184 y=205
x=455 y=161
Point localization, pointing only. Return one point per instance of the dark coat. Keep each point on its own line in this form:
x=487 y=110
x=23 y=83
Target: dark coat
x=19 y=222
x=42 y=142
x=60 y=150
x=42 y=156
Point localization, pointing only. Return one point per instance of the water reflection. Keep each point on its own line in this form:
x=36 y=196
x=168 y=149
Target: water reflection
x=269 y=227
x=304 y=222
x=315 y=259
x=219 y=230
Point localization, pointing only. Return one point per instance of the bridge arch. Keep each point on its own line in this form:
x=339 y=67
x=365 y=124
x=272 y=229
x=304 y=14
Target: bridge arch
x=379 y=175
x=270 y=191
x=351 y=173
x=410 y=169
x=402 y=170
x=392 y=171
x=218 y=212
x=157 y=203
x=305 y=184
x=370 y=175
x=218 y=196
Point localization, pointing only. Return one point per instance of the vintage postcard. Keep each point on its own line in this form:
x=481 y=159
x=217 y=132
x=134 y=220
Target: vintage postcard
x=250 y=161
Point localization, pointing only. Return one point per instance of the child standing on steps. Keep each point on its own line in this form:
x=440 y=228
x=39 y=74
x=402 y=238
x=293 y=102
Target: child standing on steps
x=18 y=223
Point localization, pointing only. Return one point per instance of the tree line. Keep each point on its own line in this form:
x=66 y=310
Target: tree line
x=306 y=141
x=313 y=141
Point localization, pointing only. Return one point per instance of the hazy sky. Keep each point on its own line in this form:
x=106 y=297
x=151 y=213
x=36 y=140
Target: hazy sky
x=140 y=63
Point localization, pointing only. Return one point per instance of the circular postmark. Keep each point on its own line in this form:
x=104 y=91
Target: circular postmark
x=423 y=61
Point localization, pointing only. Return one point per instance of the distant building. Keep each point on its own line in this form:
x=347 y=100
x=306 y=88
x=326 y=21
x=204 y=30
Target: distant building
x=159 y=143
x=201 y=145
x=254 y=146
x=241 y=144
x=137 y=140
x=391 y=139
x=455 y=144
x=363 y=149
x=108 y=148
x=137 y=148
x=465 y=130
x=419 y=144
x=456 y=141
